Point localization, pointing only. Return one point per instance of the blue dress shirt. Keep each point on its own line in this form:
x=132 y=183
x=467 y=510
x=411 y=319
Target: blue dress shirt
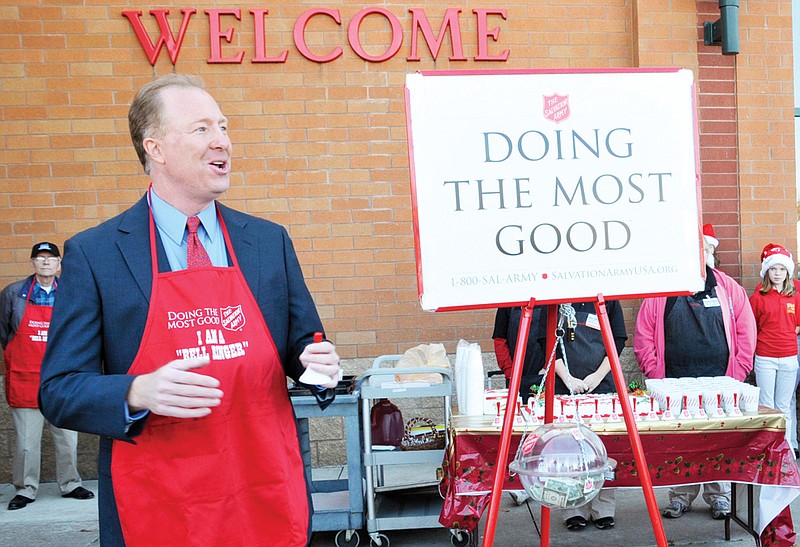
x=171 y=225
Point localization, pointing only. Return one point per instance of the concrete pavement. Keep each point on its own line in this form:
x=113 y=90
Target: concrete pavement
x=55 y=521
x=515 y=524
x=51 y=520
x=515 y=527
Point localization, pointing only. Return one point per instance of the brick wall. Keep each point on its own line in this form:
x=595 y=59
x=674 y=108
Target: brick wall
x=321 y=148
x=718 y=144
x=318 y=147
x=765 y=121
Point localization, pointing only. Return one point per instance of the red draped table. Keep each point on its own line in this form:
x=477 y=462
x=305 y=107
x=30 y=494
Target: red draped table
x=748 y=449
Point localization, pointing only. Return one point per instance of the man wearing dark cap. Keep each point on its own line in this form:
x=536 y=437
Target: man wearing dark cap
x=25 y=310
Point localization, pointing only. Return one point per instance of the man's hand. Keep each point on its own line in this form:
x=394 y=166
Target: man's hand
x=322 y=357
x=173 y=390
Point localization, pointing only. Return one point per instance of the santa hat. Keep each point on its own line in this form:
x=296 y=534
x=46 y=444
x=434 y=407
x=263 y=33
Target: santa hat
x=775 y=254
x=708 y=235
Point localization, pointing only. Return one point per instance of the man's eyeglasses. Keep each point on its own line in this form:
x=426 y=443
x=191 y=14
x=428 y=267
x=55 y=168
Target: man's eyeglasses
x=43 y=259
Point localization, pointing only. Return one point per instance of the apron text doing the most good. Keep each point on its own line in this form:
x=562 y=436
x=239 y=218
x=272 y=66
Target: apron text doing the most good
x=24 y=353
x=234 y=477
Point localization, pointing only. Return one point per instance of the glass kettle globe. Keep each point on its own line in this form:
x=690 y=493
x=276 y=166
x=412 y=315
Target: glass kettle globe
x=562 y=465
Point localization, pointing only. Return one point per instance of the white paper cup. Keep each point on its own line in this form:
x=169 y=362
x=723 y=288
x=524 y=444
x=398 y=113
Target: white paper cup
x=711 y=399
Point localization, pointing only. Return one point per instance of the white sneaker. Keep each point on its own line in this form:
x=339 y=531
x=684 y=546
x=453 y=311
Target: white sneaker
x=675 y=509
x=720 y=509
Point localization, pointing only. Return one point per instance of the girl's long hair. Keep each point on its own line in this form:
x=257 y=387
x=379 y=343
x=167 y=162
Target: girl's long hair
x=786 y=290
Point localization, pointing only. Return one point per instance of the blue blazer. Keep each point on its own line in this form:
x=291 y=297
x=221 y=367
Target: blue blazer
x=101 y=309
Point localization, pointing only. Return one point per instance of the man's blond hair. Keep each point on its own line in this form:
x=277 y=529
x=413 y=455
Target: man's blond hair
x=145 y=114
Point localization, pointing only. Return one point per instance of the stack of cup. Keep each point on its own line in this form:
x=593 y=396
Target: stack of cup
x=749 y=398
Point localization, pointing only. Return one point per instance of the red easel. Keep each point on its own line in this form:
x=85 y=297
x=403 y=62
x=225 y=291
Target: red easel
x=508 y=421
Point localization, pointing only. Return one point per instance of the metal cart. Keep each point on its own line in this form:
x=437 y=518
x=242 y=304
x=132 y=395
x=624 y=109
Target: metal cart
x=338 y=503
x=399 y=507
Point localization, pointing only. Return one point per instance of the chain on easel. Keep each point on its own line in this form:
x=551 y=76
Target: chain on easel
x=566 y=315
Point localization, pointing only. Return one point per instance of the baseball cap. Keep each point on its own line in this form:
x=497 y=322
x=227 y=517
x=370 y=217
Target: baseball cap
x=45 y=247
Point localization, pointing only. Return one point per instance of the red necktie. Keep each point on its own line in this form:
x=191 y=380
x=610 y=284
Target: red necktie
x=196 y=255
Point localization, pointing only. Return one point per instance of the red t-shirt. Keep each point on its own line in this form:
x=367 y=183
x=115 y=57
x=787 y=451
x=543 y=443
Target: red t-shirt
x=777 y=316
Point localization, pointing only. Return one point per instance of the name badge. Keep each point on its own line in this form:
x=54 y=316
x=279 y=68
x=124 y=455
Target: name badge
x=592 y=322
x=711 y=302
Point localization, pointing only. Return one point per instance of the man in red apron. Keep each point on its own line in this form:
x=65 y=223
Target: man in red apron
x=25 y=310
x=187 y=317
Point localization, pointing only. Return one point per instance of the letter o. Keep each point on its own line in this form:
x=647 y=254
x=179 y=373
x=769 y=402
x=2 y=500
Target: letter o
x=355 y=42
x=557 y=236
x=597 y=195
x=546 y=145
x=569 y=237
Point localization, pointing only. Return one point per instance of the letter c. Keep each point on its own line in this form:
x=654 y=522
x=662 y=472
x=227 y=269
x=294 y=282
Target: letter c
x=300 y=39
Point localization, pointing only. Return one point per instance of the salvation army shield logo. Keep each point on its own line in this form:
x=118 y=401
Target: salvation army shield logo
x=556 y=107
x=232 y=318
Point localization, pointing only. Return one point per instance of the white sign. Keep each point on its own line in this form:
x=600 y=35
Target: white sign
x=557 y=186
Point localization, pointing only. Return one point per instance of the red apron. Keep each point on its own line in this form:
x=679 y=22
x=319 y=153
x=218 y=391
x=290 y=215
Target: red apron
x=234 y=477
x=24 y=353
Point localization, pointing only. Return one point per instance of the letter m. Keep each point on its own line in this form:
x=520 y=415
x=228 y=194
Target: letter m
x=419 y=22
x=165 y=38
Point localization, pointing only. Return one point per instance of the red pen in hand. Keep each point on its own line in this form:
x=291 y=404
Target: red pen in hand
x=312 y=377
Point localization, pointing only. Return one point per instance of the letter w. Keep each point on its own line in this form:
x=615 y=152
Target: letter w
x=166 y=38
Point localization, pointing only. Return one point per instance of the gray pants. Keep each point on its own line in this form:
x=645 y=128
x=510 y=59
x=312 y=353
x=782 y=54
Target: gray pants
x=603 y=505
x=28 y=423
x=712 y=491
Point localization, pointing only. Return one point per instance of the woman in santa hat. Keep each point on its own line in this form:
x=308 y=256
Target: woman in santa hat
x=776 y=306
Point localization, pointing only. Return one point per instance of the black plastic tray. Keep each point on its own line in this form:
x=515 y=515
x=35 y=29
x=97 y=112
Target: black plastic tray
x=345 y=386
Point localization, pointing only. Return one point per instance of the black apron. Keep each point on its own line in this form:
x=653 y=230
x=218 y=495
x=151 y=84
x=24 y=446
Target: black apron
x=694 y=334
x=586 y=351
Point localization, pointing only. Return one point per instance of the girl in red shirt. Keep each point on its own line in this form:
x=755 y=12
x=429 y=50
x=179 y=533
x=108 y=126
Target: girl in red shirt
x=776 y=305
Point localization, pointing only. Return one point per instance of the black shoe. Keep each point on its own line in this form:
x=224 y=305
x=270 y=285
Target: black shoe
x=80 y=493
x=575 y=523
x=604 y=523
x=19 y=502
